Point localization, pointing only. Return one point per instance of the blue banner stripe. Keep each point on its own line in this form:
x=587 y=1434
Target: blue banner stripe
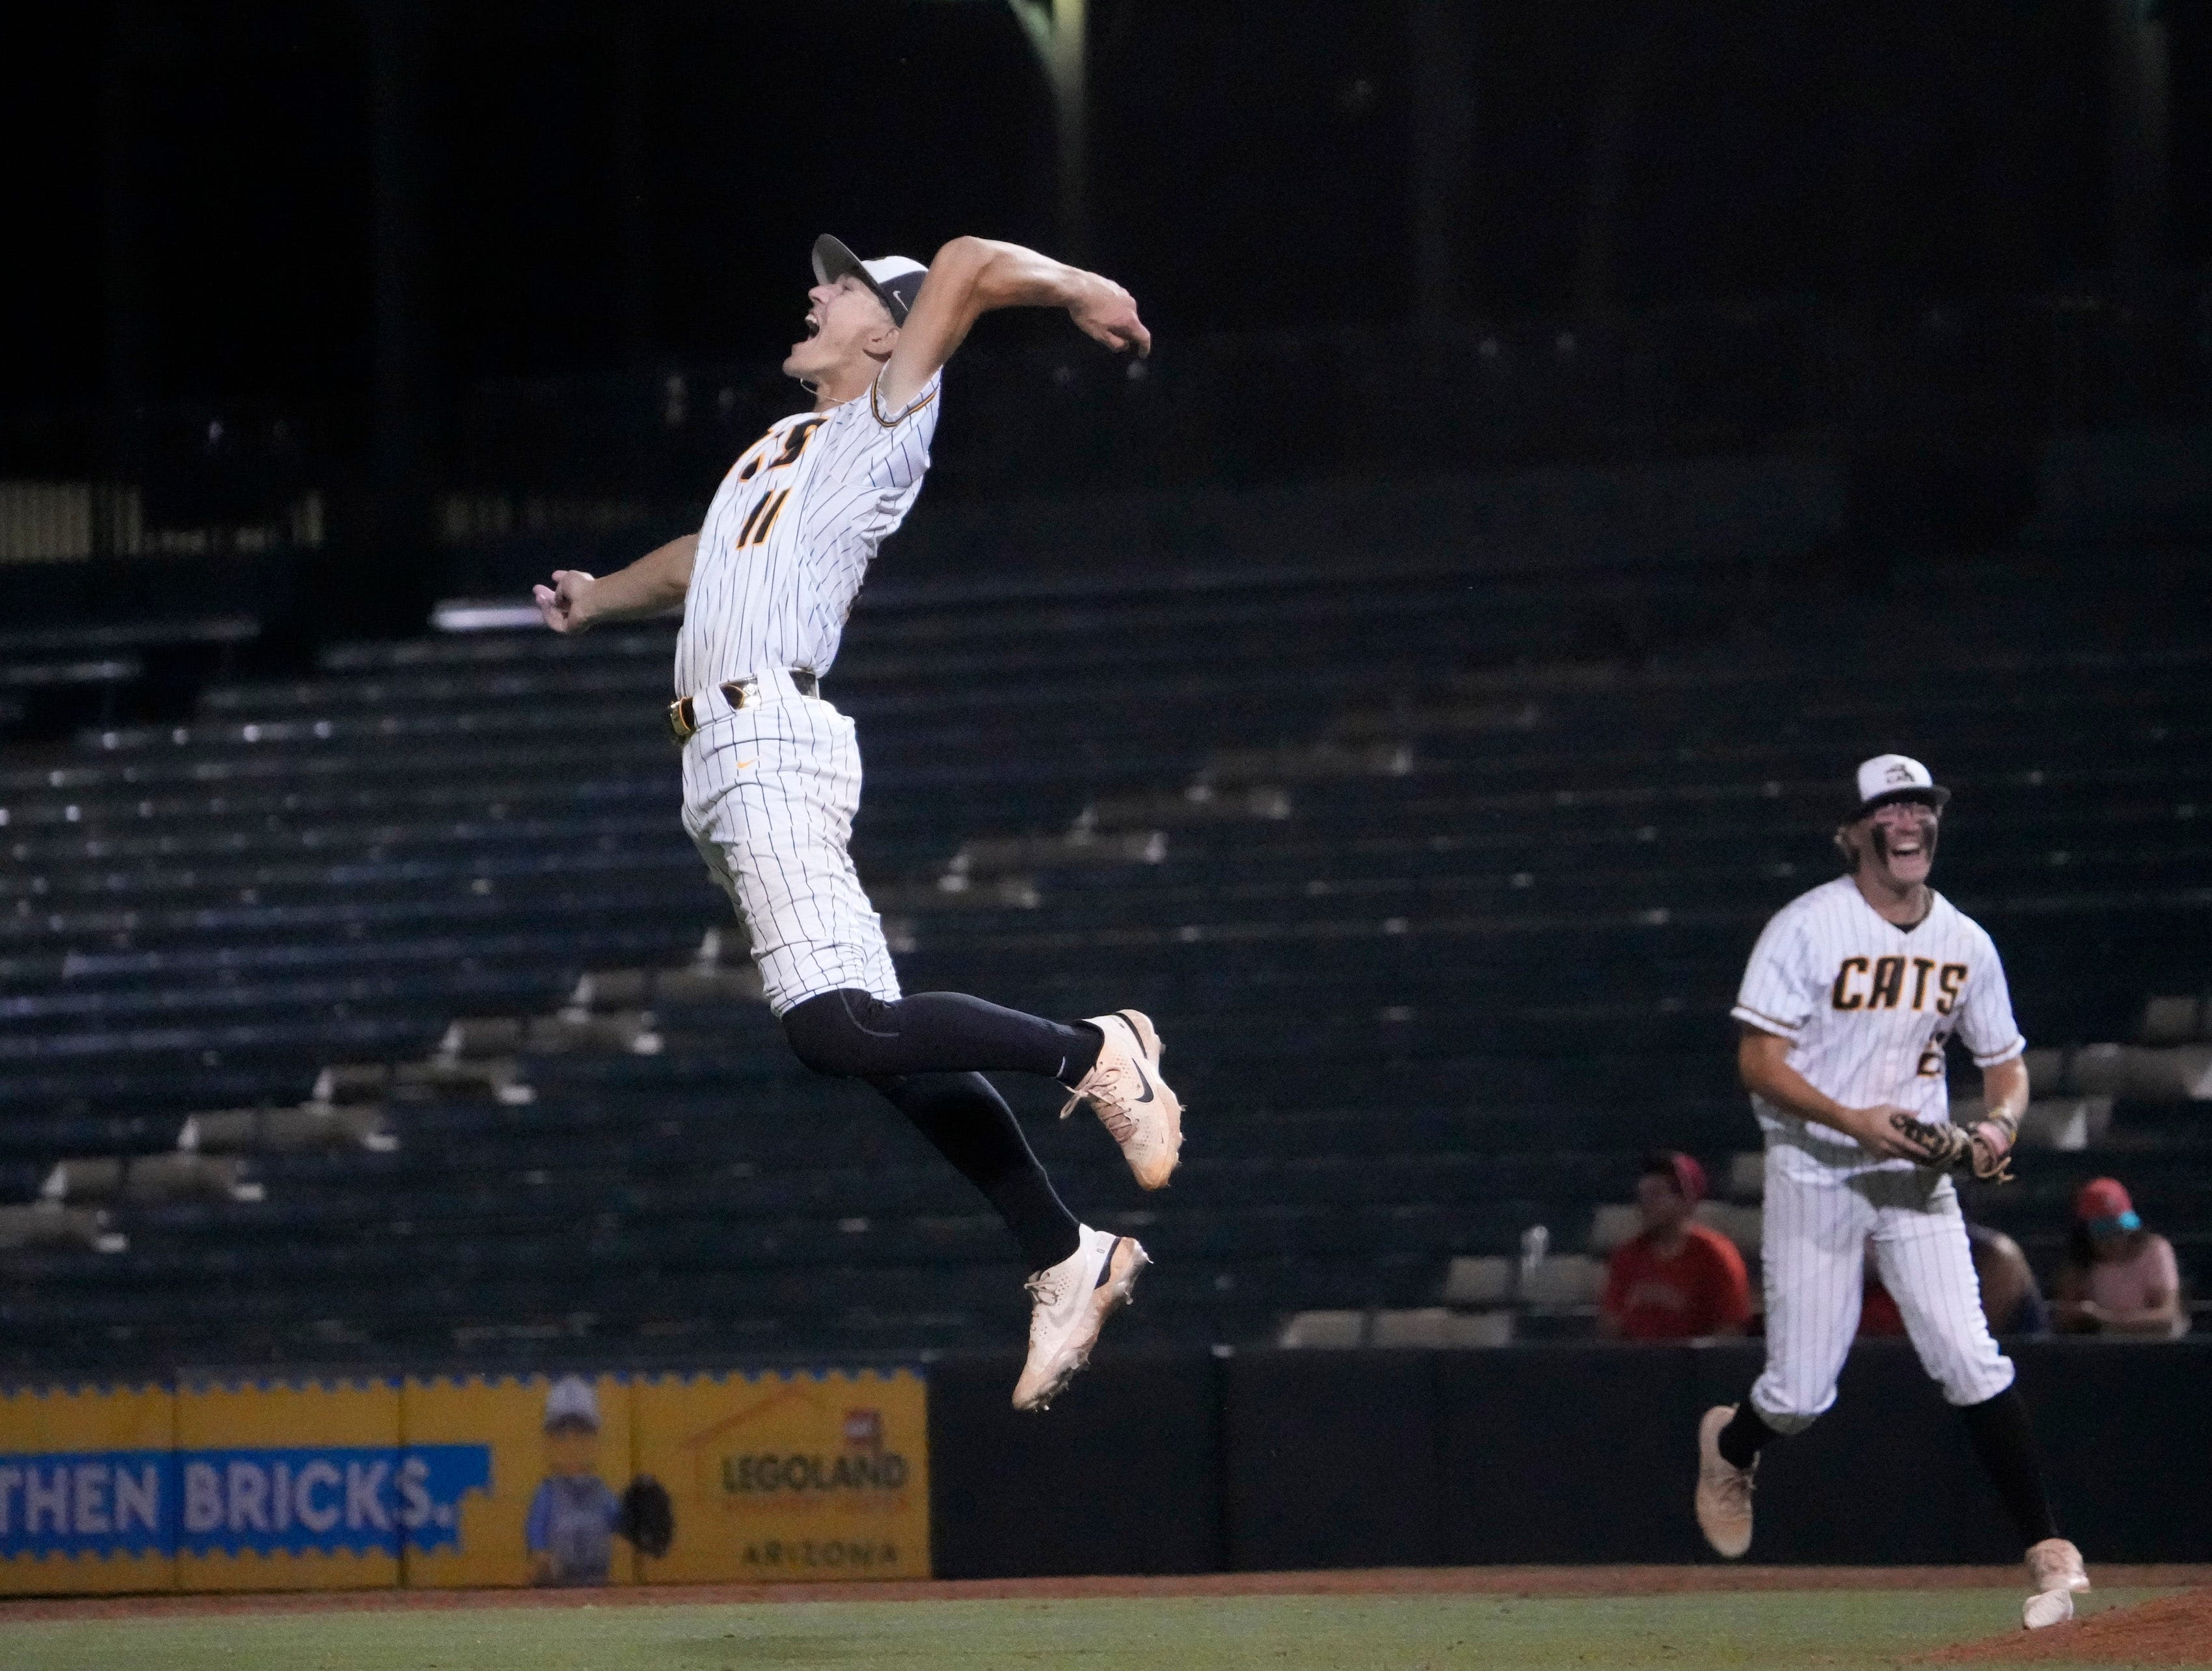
x=305 y=1499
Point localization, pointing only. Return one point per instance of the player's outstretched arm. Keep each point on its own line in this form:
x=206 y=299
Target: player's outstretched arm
x=1762 y=1062
x=972 y=276
x=656 y=582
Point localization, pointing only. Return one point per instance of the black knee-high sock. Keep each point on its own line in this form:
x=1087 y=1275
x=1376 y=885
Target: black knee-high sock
x=969 y=1124
x=1739 y=1442
x=851 y=1032
x=2006 y=1443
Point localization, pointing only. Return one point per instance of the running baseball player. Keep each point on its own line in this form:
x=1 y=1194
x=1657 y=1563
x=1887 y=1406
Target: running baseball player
x=772 y=770
x=1852 y=993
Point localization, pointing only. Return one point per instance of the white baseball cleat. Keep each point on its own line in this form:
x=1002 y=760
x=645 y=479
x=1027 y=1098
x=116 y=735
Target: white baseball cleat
x=2052 y=1606
x=1132 y=1102
x=2055 y=1574
x=1069 y=1304
x=1723 y=1489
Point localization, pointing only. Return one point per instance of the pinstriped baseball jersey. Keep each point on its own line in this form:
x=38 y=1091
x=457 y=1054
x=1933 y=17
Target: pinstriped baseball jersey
x=787 y=540
x=1867 y=1006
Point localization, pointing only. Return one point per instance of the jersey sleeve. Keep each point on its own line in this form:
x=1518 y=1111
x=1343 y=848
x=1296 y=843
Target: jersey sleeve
x=896 y=440
x=1779 y=988
x=1986 y=1026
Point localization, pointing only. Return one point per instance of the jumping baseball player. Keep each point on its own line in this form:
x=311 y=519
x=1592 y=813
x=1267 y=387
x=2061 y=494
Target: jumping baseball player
x=1852 y=993
x=772 y=771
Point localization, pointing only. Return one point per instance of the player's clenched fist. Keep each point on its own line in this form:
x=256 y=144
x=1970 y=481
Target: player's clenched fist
x=1108 y=313
x=565 y=604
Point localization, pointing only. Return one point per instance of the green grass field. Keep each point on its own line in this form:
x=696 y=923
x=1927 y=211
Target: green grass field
x=1843 y=1630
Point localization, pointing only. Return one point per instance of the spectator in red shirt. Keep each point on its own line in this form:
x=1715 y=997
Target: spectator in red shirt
x=1674 y=1279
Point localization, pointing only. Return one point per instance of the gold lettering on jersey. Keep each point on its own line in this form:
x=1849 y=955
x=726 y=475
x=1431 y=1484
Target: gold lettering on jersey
x=792 y=441
x=1947 y=983
x=1921 y=967
x=751 y=462
x=1885 y=984
x=795 y=440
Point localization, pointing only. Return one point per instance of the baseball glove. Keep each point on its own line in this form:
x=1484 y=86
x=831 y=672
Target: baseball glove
x=1984 y=1151
x=648 y=1518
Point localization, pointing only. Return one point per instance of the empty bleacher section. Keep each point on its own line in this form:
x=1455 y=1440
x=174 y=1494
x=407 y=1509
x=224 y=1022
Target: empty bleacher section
x=1439 y=884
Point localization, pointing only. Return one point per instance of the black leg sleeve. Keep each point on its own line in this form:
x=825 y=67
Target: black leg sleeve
x=970 y=1125
x=851 y=1035
x=2006 y=1443
x=1739 y=1441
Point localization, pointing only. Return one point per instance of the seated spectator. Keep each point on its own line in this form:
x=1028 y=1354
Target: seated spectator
x=1673 y=1279
x=2010 y=1298
x=2118 y=1278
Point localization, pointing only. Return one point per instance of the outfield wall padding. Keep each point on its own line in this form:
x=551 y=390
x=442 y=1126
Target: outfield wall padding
x=1332 y=1461
x=1121 y=1475
x=1152 y=1462
x=1547 y=1452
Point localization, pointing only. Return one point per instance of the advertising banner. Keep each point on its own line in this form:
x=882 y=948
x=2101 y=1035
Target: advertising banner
x=304 y=1485
x=87 y=1490
x=445 y=1482
x=560 y=1507
x=780 y=1477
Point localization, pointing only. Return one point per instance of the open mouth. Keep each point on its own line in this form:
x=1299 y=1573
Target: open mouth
x=813 y=327
x=1908 y=852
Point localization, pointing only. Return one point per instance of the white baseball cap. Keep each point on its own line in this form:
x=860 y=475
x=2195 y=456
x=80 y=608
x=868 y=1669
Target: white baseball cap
x=895 y=279
x=1889 y=777
x=571 y=1398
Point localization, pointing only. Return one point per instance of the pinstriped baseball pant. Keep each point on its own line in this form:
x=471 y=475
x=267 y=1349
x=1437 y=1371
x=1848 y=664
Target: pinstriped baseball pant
x=769 y=791
x=1824 y=1204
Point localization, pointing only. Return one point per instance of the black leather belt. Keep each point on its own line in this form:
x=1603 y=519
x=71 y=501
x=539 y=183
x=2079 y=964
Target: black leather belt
x=683 y=717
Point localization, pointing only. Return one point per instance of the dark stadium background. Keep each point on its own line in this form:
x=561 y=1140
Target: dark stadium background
x=335 y=212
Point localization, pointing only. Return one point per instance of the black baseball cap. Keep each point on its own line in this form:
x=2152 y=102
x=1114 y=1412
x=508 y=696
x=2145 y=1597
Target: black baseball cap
x=895 y=279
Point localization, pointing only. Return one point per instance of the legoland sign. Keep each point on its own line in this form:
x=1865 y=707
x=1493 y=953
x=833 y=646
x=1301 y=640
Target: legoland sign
x=298 y=1500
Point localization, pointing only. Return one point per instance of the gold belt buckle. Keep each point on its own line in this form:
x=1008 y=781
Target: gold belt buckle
x=684 y=715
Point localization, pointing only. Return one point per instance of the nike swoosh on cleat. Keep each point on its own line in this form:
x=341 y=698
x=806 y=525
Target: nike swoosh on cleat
x=1106 y=1265
x=1138 y=1060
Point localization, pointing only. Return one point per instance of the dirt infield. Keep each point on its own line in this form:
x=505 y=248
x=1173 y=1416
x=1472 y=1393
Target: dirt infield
x=2173 y=1630
x=1531 y=1581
